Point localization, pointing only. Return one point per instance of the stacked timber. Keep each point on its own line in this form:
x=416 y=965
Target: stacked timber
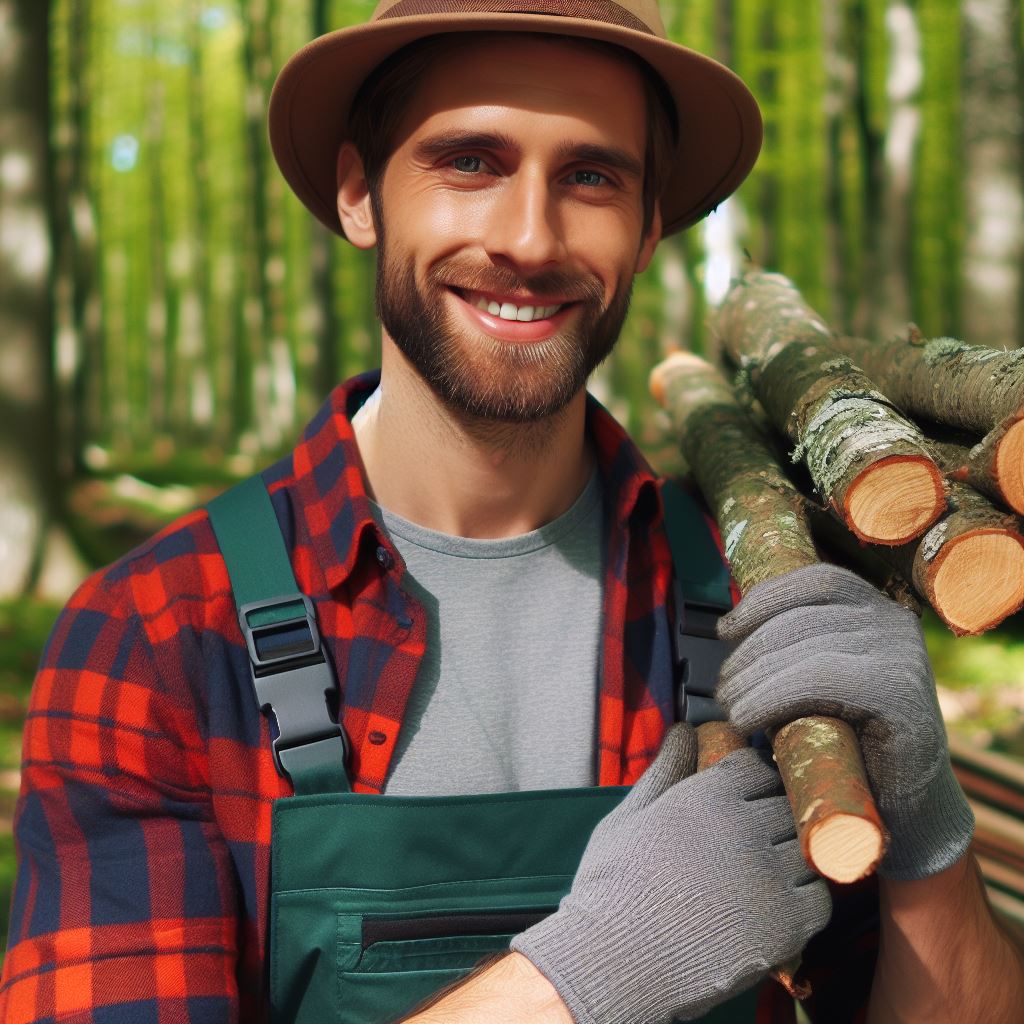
x=913 y=448
x=811 y=445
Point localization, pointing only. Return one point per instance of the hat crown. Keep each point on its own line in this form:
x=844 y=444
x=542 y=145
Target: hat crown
x=639 y=15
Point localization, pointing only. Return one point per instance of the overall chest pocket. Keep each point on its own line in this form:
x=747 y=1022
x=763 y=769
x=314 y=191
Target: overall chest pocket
x=370 y=956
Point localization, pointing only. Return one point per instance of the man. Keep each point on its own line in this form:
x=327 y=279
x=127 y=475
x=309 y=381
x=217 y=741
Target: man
x=468 y=523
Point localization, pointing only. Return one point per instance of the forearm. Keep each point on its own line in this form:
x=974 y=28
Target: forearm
x=943 y=957
x=511 y=990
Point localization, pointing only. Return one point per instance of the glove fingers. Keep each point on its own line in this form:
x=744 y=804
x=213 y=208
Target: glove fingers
x=794 y=867
x=851 y=628
x=810 y=585
x=781 y=688
x=752 y=772
x=676 y=760
x=775 y=818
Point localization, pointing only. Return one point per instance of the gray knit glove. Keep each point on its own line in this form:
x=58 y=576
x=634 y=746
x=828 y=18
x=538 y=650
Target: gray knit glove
x=687 y=893
x=821 y=640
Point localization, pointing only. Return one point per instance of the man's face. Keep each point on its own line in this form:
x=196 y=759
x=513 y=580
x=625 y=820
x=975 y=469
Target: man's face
x=510 y=224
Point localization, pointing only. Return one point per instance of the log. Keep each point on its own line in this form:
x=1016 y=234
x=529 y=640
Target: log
x=866 y=459
x=716 y=740
x=761 y=516
x=994 y=466
x=969 y=566
x=838 y=825
x=972 y=387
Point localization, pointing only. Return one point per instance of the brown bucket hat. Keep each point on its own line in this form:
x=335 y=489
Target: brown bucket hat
x=719 y=121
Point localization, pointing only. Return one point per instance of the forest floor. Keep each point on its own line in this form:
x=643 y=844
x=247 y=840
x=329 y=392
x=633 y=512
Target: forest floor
x=980 y=679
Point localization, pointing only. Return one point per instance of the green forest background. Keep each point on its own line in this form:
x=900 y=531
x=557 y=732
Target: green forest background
x=170 y=315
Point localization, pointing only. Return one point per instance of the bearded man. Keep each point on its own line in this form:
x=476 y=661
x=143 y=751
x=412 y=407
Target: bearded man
x=476 y=575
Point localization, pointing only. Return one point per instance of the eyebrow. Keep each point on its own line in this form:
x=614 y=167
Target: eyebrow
x=610 y=156
x=584 y=152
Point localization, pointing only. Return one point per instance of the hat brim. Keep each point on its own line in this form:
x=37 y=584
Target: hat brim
x=720 y=128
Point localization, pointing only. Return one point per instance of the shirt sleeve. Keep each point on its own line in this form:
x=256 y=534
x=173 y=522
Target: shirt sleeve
x=125 y=901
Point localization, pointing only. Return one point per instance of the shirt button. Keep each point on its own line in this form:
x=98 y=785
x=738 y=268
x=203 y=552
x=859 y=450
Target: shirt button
x=384 y=557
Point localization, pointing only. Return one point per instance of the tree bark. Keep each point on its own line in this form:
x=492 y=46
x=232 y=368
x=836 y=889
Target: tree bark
x=993 y=151
x=972 y=387
x=868 y=461
x=29 y=497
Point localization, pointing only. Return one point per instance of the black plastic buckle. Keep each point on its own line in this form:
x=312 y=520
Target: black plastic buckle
x=294 y=682
x=698 y=655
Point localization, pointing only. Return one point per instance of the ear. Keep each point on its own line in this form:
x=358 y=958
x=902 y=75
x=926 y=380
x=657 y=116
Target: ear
x=354 y=209
x=650 y=242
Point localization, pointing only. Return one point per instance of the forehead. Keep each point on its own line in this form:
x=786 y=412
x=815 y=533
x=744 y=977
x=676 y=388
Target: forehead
x=594 y=90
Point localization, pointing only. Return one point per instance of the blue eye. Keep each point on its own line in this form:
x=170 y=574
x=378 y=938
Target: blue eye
x=467 y=164
x=591 y=178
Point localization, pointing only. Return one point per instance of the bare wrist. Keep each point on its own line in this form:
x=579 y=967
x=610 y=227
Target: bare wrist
x=510 y=989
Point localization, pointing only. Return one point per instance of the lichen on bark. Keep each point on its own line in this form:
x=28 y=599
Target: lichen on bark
x=841 y=425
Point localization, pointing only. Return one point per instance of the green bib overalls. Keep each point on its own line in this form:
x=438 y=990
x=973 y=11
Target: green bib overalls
x=378 y=902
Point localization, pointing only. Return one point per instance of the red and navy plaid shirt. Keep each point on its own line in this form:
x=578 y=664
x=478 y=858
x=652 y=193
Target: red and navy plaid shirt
x=144 y=822
x=143 y=826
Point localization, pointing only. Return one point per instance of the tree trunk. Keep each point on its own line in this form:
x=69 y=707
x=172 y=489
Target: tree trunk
x=993 y=151
x=28 y=480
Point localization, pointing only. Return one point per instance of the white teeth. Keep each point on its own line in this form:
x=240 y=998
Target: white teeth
x=509 y=311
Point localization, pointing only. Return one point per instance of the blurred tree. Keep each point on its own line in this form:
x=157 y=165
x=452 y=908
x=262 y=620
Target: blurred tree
x=993 y=148
x=28 y=494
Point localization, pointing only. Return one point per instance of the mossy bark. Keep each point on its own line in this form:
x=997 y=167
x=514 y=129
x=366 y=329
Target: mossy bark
x=967 y=386
x=842 y=426
x=761 y=515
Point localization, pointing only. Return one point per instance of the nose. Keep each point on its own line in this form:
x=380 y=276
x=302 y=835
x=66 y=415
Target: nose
x=523 y=230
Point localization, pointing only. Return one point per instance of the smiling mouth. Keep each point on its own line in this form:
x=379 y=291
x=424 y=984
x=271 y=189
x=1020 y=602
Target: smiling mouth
x=506 y=310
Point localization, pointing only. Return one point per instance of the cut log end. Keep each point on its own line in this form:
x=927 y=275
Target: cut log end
x=979 y=580
x=894 y=500
x=674 y=362
x=1009 y=466
x=845 y=847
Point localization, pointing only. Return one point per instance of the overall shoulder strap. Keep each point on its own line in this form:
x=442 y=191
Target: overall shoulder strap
x=293 y=680
x=702 y=594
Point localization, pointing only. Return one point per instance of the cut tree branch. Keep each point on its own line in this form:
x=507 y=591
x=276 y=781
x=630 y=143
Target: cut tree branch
x=866 y=459
x=761 y=516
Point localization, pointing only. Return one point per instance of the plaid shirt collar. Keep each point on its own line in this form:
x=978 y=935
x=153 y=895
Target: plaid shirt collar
x=329 y=478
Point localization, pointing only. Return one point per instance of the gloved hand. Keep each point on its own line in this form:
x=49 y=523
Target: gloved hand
x=820 y=640
x=687 y=893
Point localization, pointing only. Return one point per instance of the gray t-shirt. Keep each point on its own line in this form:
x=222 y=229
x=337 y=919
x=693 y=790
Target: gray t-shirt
x=506 y=698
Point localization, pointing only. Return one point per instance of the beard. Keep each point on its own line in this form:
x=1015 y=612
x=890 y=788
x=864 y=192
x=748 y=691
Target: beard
x=478 y=376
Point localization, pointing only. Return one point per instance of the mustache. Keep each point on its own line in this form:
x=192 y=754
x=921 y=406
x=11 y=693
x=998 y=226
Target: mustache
x=474 y=277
